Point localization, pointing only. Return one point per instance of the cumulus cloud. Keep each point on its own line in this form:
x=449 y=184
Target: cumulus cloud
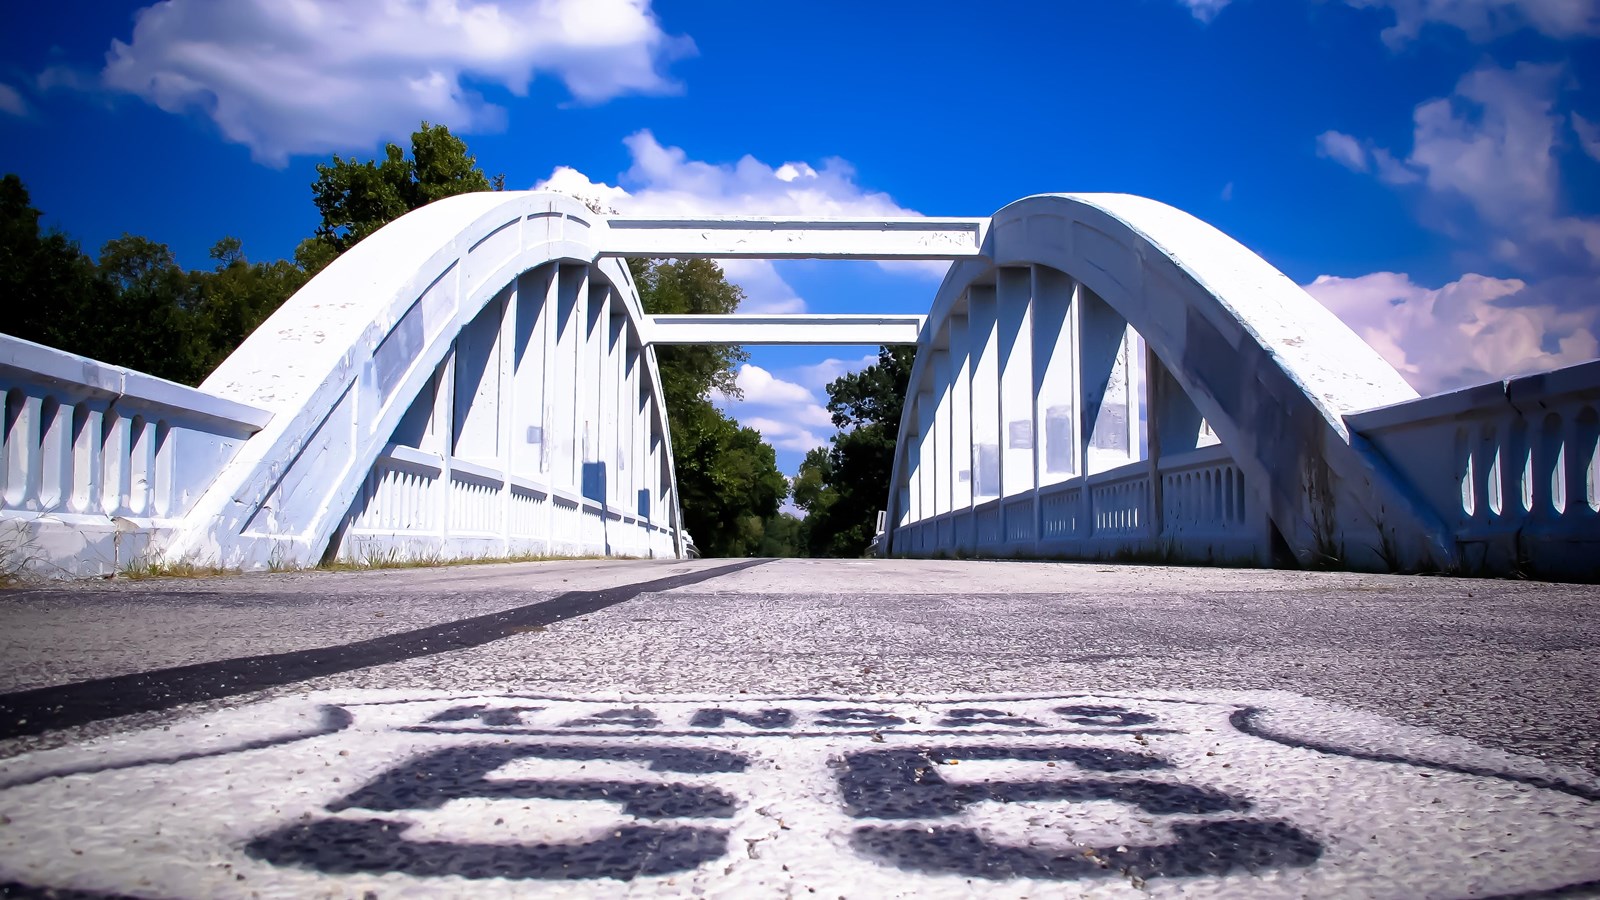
x=817 y=377
x=312 y=76
x=1472 y=330
x=1485 y=20
x=1342 y=149
x=1588 y=135
x=1490 y=142
x=1485 y=161
x=664 y=181
x=787 y=414
x=11 y=101
x=785 y=435
x=1205 y=10
x=1483 y=167
x=760 y=388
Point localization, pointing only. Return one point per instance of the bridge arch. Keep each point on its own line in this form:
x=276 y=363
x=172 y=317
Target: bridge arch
x=1027 y=350
x=478 y=378
x=472 y=379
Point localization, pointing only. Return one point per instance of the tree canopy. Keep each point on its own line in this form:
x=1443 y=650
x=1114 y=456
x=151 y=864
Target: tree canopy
x=842 y=488
x=136 y=306
x=357 y=197
x=729 y=485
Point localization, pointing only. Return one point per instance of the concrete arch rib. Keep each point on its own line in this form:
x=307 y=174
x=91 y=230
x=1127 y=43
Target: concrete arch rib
x=1271 y=370
x=342 y=361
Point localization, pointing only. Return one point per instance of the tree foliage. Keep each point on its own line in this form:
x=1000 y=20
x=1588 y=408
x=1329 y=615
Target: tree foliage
x=357 y=198
x=51 y=288
x=690 y=287
x=135 y=306
x=729 y=485
x=842 y=488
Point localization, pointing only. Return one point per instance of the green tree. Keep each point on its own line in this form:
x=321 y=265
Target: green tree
x=357 y=198
x=728 y=479
x=782 y=535
x=151 y=321
x=52 y=291
x=843 y=488
x=135 y=306
x=690 y=287
x=237 y=296
x=729 y=485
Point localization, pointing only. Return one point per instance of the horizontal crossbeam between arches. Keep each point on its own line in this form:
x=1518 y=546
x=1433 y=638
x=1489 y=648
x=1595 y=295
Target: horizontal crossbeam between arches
x=825 y=330
x=907 y=237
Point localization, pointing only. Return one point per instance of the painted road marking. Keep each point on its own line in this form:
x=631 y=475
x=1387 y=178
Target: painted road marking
x=1181 y=794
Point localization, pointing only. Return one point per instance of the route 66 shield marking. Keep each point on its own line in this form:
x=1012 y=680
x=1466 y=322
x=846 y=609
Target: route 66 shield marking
x=1193 y=794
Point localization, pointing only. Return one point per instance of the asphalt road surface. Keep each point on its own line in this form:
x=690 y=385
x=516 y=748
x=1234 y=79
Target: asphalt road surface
x=872 y=728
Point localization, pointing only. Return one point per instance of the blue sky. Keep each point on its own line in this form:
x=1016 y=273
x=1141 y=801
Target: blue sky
x=1430 y=169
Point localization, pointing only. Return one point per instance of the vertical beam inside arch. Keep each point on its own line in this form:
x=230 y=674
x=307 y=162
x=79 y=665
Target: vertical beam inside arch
x=960 y=392
x=1109 y=408
x=1055 y=375
x=985 y=369
x=528 y=381
x=945 y=470
x=1014 y=298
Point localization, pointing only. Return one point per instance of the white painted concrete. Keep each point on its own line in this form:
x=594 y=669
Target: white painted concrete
x=1272 y=372
x=783 y=238
x=1514 y=466
x=98 y=461
x=819 y=329
x=1099 y=374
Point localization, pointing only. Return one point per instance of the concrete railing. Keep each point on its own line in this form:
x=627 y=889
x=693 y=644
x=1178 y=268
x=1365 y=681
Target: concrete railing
x=416 y=504
x=1512 y=467
x=95 y=459
x=1206 y=514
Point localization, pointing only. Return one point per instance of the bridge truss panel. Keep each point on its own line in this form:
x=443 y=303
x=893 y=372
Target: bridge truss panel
x=1140 y=385
x=473 y=380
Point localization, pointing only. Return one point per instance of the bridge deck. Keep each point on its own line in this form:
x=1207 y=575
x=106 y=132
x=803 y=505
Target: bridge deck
x=861 y=727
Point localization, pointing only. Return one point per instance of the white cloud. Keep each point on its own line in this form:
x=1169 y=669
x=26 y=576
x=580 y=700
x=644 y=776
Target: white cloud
x=63 y=77
x=1205 y=10
x=1485 y=160
x=1342 y=149
x=311 y=76
x=765 y=291
x=1392 y=171
x=664 y=181
x=1472 y=330
x=1485 y=20
x=1490 y=143
x=1588 y=135
x=787 y=414
x=667 y=182
x=1483 y=165
x=785 y=435
x=817 y=377
x=760 y=388
x=11 y=101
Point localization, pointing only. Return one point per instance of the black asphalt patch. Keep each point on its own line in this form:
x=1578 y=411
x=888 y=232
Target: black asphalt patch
x=64 y=706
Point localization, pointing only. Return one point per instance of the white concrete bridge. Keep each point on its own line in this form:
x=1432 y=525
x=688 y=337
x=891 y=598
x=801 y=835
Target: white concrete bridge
x=1099 y=376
